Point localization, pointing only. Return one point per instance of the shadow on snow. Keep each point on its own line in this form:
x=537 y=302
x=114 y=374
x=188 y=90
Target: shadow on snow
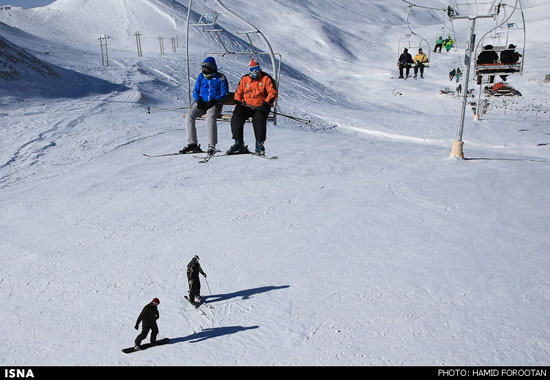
x=211 y=333
x=243 y=294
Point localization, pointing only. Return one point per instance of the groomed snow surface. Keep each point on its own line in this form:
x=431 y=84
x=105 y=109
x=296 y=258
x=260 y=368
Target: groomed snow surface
x=363 y=244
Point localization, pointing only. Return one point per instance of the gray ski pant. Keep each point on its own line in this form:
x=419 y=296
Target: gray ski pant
x=211 y=124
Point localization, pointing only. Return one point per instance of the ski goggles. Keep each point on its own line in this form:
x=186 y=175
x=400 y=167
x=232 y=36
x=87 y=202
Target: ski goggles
x=207 y=70
x=254 y=69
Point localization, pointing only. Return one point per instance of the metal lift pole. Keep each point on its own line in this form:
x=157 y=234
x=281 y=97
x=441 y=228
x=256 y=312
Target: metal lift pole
x=187 y=52
x=458 y=143
x=271 y=54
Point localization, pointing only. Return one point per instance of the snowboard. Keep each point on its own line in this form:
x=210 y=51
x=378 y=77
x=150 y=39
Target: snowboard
x=129 y=350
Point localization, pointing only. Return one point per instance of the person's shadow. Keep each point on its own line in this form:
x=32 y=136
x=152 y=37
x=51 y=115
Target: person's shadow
x=210 y=333
x=243 y=294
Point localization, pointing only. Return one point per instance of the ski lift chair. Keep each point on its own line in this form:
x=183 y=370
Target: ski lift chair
x=209 y=23
x=226 y=116
x=413 y=40
x=498 y=68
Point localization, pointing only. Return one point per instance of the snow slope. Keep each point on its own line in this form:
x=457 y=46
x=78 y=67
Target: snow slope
x=363 y=244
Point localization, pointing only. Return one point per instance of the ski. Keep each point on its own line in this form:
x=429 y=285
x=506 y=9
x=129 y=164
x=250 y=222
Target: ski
x=264 y=156
x=205 y=159
x=168 y=154
x=196 y=306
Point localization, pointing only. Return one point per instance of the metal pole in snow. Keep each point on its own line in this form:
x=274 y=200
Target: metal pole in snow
x=106 y=52
x=102 y=57
x=458 y=143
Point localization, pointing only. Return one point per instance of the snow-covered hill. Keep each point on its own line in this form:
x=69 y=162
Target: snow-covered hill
x=363 y=244
x=24 y=73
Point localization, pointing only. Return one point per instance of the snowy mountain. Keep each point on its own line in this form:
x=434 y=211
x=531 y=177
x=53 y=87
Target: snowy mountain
x=363 y=244
x=24 y=73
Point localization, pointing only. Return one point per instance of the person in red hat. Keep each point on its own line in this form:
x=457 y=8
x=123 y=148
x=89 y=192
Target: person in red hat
x=255 y=95
x=148 y=318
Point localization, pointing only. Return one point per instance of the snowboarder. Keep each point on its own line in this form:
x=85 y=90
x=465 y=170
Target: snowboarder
x=211 y=89
x=419 y=60
x=255 y=95
x=404 y=61
x=148 y=318
x=438 y=44
x=193 y=270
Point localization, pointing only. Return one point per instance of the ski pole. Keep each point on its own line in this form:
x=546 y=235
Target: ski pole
x=292 y=117
x=208 y=285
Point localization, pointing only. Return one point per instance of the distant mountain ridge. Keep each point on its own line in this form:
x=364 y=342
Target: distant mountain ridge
x=15 y=61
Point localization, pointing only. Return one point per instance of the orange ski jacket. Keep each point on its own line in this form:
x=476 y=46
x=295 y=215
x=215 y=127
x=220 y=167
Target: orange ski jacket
x=254 y=92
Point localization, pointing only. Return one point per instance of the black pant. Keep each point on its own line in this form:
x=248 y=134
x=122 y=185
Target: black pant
x=194 y=288
x=419 y=65
x=259 y=122
x=145 y=328
x=438 y=46
x=407 y=69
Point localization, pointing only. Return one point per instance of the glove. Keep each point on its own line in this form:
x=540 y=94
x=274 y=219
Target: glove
x=136 y=327
x=210 y=104
x=201 y=104
x=265 y=107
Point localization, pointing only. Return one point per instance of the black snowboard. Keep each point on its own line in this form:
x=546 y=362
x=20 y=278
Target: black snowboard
x=129 y=350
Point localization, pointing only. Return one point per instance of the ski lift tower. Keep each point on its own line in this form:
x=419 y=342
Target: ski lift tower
x=470 y=11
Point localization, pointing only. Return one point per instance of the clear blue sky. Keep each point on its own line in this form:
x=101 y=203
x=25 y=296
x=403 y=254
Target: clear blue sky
x=26 y=3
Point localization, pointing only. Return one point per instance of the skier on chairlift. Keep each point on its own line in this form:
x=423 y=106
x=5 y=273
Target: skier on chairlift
x=420 y=59
x=211 y=89
x=438 y=44
x=255 y=95
x=448 y=43
x=509 y=56
x=404 y=62
x=487 y=56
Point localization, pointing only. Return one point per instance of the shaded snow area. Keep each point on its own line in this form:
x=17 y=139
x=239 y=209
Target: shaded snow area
x=363 y=244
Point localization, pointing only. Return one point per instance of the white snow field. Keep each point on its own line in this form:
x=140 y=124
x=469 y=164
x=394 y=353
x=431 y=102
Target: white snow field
x=363 y=244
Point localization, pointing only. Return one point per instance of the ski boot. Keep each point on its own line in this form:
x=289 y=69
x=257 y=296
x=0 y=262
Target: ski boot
x=191 y=148
x=260 y=149
x=211 y=149
x=238 y=148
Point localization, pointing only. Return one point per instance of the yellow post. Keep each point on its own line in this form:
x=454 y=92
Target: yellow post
x=457 y=150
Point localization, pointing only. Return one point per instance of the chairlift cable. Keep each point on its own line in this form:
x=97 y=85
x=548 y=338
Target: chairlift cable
x=423 y=6
x=417 y=35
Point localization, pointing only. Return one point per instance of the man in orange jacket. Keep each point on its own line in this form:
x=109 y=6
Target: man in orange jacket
x=255 y=95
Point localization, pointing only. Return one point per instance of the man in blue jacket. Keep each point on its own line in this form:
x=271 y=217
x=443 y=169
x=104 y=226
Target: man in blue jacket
x=211 y=89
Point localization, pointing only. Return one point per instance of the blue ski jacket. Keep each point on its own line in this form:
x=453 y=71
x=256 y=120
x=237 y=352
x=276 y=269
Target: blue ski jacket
x=214 y=88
